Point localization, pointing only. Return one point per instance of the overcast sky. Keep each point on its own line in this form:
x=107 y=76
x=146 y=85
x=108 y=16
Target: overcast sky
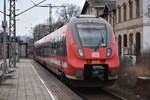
x=26 y=21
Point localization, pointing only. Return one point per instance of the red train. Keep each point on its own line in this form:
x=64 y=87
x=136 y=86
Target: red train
x=83 y=52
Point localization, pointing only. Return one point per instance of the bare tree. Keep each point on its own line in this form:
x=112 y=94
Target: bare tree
x=40 y=31
x=64 y=15
x=58 y=24
x=69 y=11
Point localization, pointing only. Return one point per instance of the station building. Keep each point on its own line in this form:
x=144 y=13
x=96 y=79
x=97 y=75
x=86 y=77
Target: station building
x=130 y=20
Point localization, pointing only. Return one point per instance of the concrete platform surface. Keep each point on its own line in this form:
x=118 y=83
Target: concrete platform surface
x=24 y=84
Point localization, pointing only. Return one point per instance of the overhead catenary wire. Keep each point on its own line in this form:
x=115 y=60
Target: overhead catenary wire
x=50 y=6
x=30 y=8
x=4 y=13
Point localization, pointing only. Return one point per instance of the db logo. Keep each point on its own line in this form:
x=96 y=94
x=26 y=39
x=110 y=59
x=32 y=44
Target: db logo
x=95 y=54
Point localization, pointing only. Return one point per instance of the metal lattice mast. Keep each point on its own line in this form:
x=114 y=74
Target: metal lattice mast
x=12 y=33
x=4 y=25
x=50 y=16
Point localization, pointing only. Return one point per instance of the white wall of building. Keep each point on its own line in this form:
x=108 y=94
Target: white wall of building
x=146 y=23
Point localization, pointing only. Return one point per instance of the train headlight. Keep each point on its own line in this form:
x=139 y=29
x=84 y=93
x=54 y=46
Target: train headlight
x=109 y=52
x=81 y=53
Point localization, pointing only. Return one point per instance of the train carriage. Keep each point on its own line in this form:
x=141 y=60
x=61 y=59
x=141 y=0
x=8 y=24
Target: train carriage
x=83 y=52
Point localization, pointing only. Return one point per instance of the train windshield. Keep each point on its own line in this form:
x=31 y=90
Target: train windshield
x=92 y=35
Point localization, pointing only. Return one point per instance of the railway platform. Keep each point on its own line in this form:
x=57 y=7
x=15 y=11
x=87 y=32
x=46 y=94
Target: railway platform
x=26 y=84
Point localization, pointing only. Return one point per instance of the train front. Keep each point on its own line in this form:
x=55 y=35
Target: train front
x=92 y=55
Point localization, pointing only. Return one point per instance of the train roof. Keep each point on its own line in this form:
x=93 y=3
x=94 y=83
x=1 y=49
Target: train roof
x=87 y=18
x=73 y=20
x=49 y=37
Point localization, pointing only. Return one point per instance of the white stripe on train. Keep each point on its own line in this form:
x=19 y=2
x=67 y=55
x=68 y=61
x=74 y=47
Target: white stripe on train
x=58 y=62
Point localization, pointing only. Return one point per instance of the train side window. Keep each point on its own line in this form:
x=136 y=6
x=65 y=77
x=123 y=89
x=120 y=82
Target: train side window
x=49 y=47
x=64 y=46
x=61 y=43
x=61 y=46
x=57 y=42
x=54 y=44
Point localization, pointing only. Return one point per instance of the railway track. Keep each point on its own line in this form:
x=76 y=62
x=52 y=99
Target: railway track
x=89 y=93
x=114 y=95
x=97 y=94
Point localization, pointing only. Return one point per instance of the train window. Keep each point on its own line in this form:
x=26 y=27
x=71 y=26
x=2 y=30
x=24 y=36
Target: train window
x=61 y=42
x=64 y=46
x=58 y=42
x=56 y=47
x=53 y=43
x=92 y=35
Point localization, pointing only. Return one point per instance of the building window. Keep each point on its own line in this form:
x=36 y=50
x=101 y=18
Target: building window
x=110 y=18
x=119 y=44
x=137 y=8
x=125 y=12
x=125 y=40
x=131 y=44
x=119 y=14
x=90 y=10
x=106 y=18
x=97 y=12
x=138 y=44
x=114 y=17
x=131 y=9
